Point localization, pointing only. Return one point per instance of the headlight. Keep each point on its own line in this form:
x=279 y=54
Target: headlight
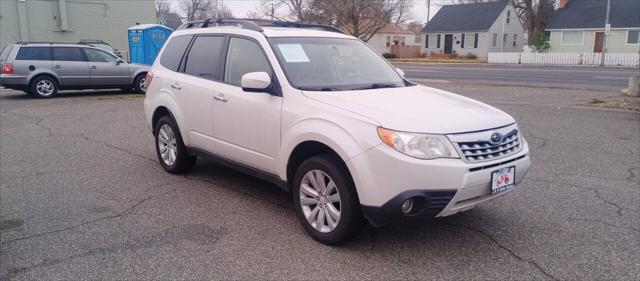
x=423 y=146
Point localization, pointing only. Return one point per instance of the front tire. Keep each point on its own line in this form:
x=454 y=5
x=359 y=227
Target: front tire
x=326 y=201
x=170 y=148
x=43 y=87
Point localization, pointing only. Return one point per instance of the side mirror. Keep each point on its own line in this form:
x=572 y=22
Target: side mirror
x=255 y=81
x=119 y=62
x=400 y=71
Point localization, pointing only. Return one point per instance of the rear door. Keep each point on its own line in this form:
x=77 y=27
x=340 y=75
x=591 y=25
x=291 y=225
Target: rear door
x=199 y=81
x=71 y=65
x=106 y=69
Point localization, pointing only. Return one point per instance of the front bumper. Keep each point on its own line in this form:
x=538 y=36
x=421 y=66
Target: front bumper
x=384 y=178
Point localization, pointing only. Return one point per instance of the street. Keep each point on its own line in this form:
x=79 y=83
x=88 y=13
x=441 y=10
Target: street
x=539 y=76
x=82 y=196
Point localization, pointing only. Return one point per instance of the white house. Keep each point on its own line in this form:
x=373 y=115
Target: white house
x=392 y=35
x=477 y=29
x=578 y=26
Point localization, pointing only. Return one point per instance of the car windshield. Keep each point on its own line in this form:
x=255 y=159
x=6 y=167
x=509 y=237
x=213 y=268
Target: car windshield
x=333 y=64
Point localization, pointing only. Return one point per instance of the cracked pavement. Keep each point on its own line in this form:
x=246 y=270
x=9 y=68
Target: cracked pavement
x=83 y=197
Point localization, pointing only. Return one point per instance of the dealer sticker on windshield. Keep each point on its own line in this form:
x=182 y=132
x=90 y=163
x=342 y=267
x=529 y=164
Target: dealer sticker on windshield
x=503 y=179
x=293 y=53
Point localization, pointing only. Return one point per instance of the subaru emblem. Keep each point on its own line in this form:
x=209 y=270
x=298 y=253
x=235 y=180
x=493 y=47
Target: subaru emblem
x=496 y=138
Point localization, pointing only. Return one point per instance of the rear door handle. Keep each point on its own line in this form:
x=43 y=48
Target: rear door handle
x=94 y=67
x=58 y=66
x=220 y=97
x=176 y=86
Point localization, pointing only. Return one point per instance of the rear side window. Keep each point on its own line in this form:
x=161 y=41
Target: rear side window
x=68 y=54
x=203 y=59
x=5 y=52
x=173 y=52
x=33 y=53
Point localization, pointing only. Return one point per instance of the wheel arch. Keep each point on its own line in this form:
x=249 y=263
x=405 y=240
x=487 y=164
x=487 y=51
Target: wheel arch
x=158 y=113
x=43 y=73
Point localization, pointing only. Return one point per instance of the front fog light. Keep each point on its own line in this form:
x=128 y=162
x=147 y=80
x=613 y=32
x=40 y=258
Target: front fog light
x=407 y=205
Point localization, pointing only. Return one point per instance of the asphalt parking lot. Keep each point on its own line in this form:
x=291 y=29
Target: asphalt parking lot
x=83 y=197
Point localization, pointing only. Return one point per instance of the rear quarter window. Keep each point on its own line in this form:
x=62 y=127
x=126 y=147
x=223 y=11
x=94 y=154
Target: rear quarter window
x=34 y=53
x=5 y=52
x=172 y=54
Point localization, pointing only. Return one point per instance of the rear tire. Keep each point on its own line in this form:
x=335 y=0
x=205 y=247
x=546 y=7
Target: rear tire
x=170 y=148
x=326 y=218
x=139 y=84
x=43 y=87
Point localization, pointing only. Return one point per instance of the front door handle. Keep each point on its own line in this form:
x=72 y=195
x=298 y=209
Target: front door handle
x=220 y=97
x=58 y=66
x=176 y=86
x=94 y=67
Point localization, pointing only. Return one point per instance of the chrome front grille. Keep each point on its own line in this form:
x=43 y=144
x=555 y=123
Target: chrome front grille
x=488 y=145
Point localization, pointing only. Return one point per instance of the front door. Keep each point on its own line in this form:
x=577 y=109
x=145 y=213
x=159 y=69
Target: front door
x=106 y=69
x=598 y=45
x=246 y=125
x=448 y=43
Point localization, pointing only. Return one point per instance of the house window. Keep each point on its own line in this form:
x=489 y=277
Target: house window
x=402 y=42
x=418 y=39
x=388 y=41
x=572 y=37
x=504 y=39
x=515 y=40
x=433 y=41
x=508 y=17
x=469 y=40
x=633 y=37
x=495 y=40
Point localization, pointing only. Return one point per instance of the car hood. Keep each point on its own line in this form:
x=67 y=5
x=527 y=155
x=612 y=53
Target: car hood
x=417 y=109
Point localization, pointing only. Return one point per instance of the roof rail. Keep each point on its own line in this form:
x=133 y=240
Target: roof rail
x=278 y=23
x=49 y=42
x=255 y=24
x=245 y=24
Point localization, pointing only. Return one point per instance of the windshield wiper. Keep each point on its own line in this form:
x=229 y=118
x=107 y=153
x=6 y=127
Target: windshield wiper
x=377 y=86
x=322 y=89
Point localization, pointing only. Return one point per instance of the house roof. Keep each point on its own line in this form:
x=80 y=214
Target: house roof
x=592 y=14
x=465 y=17
x=394 y=29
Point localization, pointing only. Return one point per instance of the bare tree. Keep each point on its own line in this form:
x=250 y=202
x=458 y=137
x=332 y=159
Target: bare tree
x=360 y=18
x=297 y=10
x=201 y=9
x=534 y=14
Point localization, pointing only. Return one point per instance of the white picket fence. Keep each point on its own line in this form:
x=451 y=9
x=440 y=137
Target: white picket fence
x=610 y=59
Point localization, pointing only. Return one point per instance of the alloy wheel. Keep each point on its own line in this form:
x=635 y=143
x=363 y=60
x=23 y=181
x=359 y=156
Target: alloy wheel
x=320 y=201
x=167 y=145
x=45 y=88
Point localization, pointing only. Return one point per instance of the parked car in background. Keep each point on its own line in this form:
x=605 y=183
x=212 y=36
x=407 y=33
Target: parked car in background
x=322 y=115
x=42 y=69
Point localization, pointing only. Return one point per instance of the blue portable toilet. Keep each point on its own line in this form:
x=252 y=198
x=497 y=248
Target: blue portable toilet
x=145 y=42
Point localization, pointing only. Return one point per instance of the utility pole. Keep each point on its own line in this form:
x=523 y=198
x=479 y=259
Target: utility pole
x=428 y=11
x=607 y=28
x=273 y=10
x=217 y=14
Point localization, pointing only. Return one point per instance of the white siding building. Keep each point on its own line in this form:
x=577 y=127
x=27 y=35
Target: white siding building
x=392 y=35
x=578 y=26
x=476 y=29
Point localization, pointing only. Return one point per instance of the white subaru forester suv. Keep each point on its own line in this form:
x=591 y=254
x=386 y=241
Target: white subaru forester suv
x=323 y=116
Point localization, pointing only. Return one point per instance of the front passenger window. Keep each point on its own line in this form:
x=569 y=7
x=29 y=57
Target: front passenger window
x=244 y=56
x=99 y=56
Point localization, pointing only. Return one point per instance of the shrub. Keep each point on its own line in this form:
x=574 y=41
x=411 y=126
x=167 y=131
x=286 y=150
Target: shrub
x=539 y=42
x=389 y=56
x=471 y=56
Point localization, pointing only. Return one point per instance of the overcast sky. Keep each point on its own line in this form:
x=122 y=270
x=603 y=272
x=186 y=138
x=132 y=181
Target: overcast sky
x=240 y=8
